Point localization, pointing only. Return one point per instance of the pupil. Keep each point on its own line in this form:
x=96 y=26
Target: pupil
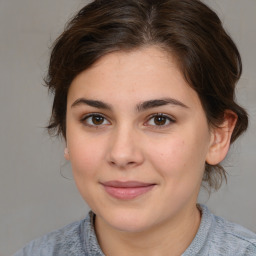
x=97 y=120
x=160 y=120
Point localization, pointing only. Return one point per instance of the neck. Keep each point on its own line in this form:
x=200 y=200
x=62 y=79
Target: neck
x=174 y=236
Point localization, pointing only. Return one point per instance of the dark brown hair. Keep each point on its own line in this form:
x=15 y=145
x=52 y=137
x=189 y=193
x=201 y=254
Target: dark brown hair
x=187 y=29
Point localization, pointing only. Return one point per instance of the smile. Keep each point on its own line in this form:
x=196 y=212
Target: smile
x=127 y=190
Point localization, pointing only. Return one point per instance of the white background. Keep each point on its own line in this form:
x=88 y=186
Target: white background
x=34 y=197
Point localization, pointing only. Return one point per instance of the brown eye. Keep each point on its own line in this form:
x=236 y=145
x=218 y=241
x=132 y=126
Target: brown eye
x=160 y=120
x=97 y=120
x=94 y=120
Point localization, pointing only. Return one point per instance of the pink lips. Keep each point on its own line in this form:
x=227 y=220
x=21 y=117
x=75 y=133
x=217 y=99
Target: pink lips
x=127 y=190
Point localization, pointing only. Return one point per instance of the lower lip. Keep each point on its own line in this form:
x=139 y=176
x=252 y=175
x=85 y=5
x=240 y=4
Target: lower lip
x=127 y=193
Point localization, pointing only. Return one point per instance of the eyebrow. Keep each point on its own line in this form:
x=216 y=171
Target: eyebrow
x=140 y=107
x=159 y=102
x=92 y=103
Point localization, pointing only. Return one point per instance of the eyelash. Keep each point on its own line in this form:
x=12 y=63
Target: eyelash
x=167 y=117
x=86 y=117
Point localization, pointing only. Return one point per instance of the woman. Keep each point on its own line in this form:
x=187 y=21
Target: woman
x=144 y=97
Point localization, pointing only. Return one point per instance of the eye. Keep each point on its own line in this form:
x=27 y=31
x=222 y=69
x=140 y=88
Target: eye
x=94 y=120
x=160 y=120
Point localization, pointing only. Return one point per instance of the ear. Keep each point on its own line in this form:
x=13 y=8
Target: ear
x=220 y=138
x=66 y=154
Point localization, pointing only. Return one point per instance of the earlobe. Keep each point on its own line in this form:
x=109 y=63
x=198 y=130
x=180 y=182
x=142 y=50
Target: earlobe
x=220 y=139
x=66 y=153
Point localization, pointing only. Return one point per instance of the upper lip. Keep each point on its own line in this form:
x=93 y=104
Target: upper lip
x=126 y=184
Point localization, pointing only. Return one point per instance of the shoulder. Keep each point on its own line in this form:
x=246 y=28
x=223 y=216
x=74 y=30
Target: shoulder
x=228 y=238
x=233 y=237
x=65 y=241
x=217 y=236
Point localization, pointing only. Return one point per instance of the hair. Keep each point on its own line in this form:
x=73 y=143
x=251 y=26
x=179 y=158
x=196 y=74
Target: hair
x=187 y=29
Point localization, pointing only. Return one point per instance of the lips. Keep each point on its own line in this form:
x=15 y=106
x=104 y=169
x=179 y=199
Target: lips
x=127 y=190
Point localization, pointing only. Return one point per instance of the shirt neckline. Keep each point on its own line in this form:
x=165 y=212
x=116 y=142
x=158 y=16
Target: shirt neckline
x=92 y=246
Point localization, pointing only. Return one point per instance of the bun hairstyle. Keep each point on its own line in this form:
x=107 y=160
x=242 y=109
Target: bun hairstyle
x=187 y=29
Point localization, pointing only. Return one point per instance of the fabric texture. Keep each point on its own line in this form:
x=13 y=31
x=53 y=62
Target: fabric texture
x=215 y=237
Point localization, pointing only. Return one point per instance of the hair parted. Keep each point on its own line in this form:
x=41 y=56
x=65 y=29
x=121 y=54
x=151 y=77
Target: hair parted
x=186 y=29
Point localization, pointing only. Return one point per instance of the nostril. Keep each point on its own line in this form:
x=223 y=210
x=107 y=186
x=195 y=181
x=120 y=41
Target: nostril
x=130 y=163
x=112 y=163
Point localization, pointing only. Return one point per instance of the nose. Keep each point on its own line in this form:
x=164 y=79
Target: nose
x=125 y=149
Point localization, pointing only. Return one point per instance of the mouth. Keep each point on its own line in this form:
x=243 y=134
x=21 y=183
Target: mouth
x=127 y=190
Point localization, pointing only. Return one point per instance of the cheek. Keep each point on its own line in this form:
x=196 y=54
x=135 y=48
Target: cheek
x=179 y=157
x=85 y=157
x=170 y=157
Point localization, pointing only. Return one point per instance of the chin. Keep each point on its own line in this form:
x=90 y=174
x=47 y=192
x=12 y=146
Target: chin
x=129 y=226
x=128 y=220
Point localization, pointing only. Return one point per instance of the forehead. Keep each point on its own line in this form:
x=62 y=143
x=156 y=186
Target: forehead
x=133 y=76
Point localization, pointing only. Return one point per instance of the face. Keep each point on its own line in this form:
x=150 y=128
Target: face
x=138 y=139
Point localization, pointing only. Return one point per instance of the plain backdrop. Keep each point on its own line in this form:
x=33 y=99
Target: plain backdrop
x=34 y=197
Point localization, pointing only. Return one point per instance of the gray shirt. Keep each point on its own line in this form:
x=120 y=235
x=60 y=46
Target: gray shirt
x=215 y=236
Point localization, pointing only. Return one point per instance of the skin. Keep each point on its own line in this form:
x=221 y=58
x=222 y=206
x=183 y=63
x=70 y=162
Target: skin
x=126 y=143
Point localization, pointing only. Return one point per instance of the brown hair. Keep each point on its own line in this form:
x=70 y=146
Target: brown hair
x=188 y=29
